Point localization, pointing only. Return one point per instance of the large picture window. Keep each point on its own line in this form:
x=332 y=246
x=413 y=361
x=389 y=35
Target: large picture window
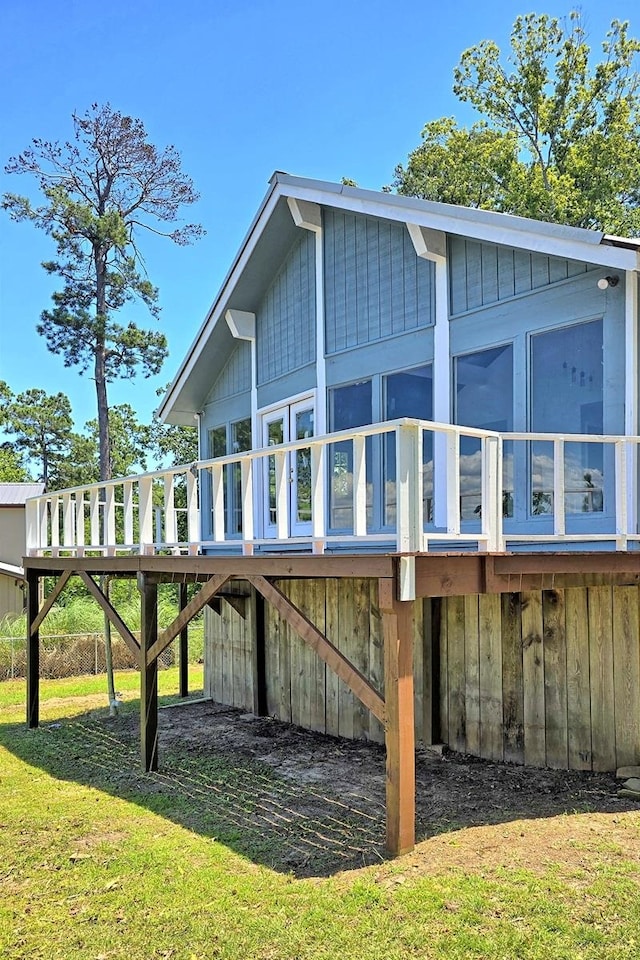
x=567 y=397
x=349 y=406
x=231 y=438
x=408 y=394
x=484 y=399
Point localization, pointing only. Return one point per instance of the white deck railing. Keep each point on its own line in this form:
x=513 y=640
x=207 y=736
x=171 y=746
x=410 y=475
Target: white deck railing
x=467 y=488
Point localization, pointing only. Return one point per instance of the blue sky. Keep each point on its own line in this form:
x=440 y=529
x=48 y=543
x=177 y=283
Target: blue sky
x=241 y=88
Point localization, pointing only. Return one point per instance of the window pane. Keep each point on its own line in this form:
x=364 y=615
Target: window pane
x=567 y=397
x=304 y=429
x=484 y=399
x=240 y=441
x=349 y=406
x=218 y=442
x=275 y=436
x=408 y=394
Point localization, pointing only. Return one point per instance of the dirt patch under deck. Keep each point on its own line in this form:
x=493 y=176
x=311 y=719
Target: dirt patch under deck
x=312 y=804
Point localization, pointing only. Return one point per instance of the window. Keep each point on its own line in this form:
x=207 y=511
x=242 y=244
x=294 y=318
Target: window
x=408 y=394
x=349 y=406
x=484 y=399
x=231 y=438
x=567 y=397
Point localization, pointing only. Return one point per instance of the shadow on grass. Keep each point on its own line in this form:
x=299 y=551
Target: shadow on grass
x=295 y=801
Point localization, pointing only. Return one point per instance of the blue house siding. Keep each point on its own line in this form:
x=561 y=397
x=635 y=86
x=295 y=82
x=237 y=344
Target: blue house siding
x=235 y=376
x=483 y=273
x=375 y=285
x=286 y=317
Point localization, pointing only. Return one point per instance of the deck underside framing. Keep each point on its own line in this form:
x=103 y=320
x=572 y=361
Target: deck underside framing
x=436 y=575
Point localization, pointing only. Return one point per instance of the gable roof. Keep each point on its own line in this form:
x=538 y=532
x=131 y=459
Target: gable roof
x=16 y=494
x=272 y=232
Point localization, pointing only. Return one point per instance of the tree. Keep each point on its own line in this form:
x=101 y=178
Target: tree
x=12 y=468
x=101 y=192
x=558 y=139
x=172 y=444
x=42 y=427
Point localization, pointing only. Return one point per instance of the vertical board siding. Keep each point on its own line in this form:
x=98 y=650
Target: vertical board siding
x=235 y=376
x=286 y=317
x=548 y=678
x=300 y=689
x=375 y=285
x=483 y=273
x=228 y=651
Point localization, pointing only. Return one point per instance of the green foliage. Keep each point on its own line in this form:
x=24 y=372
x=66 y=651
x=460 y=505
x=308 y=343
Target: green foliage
x=559 y=139
x=172 y=444
x=42 y=426
x=12 y=468
x=100 y=192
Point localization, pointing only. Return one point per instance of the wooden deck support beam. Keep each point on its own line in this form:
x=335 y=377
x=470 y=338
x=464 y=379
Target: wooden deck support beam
x=148 y=674
x=184 y=644
x=33 y=649
x=397 y=628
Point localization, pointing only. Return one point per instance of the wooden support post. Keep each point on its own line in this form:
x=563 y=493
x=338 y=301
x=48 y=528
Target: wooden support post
x=397 y=627
x=259 y=657
x=33 y=650
x=148 y=674
x=184 y=644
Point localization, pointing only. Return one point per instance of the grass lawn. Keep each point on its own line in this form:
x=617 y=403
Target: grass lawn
x=99 y=862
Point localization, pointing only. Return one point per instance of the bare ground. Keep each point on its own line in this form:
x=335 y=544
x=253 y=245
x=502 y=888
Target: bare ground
x=312 y=805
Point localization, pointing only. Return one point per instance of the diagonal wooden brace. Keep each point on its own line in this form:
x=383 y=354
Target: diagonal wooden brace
x=111 y=613
x=206 y=592
x=335 y=660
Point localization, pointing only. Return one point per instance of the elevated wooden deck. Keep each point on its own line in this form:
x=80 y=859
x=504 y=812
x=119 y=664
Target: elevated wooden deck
x=400 y=579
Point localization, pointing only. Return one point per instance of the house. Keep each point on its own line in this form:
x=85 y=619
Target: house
x=415 y=512
x=13 y=497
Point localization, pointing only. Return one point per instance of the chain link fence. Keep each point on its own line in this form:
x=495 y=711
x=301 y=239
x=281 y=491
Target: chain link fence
x=72 y=655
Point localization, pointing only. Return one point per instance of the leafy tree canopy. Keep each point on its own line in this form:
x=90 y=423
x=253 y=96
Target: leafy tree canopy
x=42 y=427
x=558 y=137
x=102 y=191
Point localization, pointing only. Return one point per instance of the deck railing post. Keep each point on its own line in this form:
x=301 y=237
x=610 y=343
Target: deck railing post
x=217 y=495
x=280 y=460
x=94 y=516
x=170 y=519
x=247 y=505
x=194 y=533
x=492 y=494
x=318 y=496
x=68 y=522
x=559 y=524
x=55 y=525
x=409 y=509
x=110 y=519
x=622 y=499
x=359 y=487
x=145 y=495
x=127 y=500
x=452 y=492
x=80 y=537
x=32 y=525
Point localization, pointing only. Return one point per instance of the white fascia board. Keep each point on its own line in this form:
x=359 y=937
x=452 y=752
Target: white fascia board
x=217 y=308
x=506 y=230
x=11 y=570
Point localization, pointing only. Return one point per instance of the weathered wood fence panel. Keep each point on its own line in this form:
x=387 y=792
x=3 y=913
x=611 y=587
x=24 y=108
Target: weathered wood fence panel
x=546 y=678
x=299 y=688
